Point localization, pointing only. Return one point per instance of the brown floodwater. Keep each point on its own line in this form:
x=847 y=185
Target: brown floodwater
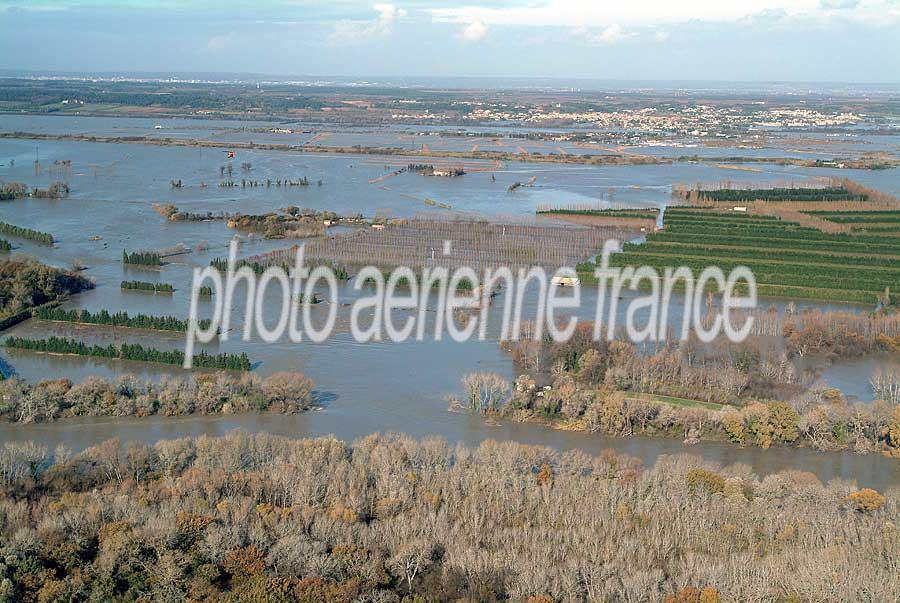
x=362 y=387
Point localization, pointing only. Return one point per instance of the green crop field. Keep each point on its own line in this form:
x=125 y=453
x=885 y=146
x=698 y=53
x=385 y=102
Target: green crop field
x=856 y=216
x=788 y=260
x=683 y=402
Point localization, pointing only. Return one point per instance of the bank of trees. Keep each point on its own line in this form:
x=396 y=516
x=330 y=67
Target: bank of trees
x=129 y=351
x=13 y=190
x=146 y=286
x=791 y=194
x=128 y=395
x=259 y=264
x=141 y=258
x=26 y=233
x=5 y=245
x=263 y=518
x=25 y=284
x=171 y=212
x=278 y=225
x=117 y=319
x=834 y=335
x=57 y=190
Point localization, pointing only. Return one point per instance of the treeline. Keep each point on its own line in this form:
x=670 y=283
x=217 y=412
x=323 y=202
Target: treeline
x=26 y=233
x=834 y=335
x=649 y=214
x=246 y=518
x=464 y=284
x=117 y=319
x=429 y=170
x=5 y=245
x=221 y=264
x=57 y=190
x=143 y=258
x=171 y=212
x=129 y=396
x=798 y=194
x=10 y=191
x=145 y=286
x=853 y=217
x=125 y=351
x=268 y=182
x=278 y=226
x=51 y=95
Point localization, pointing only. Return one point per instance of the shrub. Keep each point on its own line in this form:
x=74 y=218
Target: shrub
x=866 y=500
x=785 y=422
x=292 y=392
x=709 y=481
x=733 y=423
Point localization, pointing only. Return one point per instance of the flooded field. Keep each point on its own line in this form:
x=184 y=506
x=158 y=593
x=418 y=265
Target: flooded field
x=361 y=387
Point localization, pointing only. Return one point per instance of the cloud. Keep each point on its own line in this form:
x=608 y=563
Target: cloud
x=603 y=36
x=643 y=13
x=222 y=42
x=351 y=31
x=608 y=36
x=839 y=4
x=475 y=31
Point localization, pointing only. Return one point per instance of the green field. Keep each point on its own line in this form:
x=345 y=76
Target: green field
x=788 y=260
x=682 y=402
x=856 y=217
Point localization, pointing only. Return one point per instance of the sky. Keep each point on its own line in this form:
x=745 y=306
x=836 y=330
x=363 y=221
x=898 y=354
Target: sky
x=725 y=40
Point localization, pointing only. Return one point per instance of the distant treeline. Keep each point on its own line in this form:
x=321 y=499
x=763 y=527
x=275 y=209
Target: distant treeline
x=57 y=190
x=606 y=213
x=26 y=233
x=464 y=284
x=126 y=351
x=799 y=194
x=16 y=190
x=119 y=319
x=128 y=395
x=426 y=169
x=145 y=286
x=268 y=183
x=221 y=264
x=50 y=97
x=171 y=212
x=143 y=258
x=278 y=226
x=13 y=190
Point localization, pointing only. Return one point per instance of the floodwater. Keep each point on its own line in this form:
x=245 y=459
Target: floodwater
x=363 y=387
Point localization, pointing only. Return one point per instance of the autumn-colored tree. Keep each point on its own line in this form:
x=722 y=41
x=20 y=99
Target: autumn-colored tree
x=866 y=500
x=706 y=480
